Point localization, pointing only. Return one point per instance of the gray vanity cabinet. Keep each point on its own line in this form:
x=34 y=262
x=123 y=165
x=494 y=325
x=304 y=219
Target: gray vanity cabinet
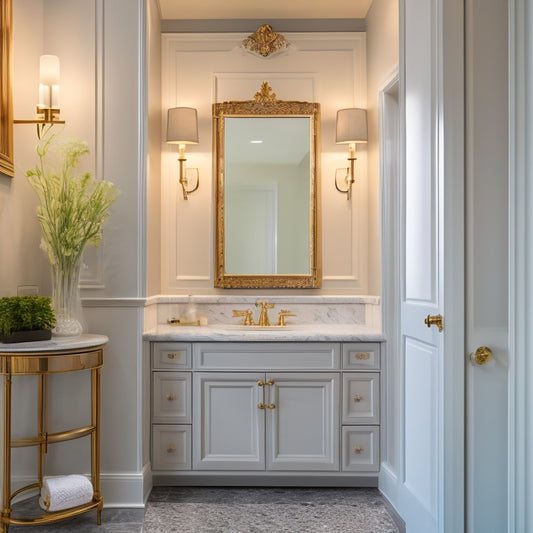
x=265 y=409
x=272 y=421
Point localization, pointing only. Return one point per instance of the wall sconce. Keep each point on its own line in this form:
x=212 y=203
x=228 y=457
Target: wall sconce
x=351 y=129
x=47 y=113
x=182 y=129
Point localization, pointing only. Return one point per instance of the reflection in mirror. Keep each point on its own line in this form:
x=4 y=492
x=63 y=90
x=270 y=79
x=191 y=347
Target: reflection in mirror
x=267 y=228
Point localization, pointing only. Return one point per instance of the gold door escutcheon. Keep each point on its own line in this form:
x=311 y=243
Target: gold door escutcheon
x=434 y=320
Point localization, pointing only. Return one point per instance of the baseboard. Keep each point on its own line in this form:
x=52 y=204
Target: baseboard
x=118 y=489
x=126 y=490
x=388 y=484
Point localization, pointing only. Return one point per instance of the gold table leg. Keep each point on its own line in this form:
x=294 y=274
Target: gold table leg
x=95 y=441
x=6 y=508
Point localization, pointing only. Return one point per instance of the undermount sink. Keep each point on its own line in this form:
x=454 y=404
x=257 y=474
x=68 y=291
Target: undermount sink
x=242 y=327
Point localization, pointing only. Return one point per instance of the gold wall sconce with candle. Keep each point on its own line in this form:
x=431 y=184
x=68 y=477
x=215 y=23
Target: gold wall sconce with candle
x=351 y=129
x=47 y=113
x=182 y=129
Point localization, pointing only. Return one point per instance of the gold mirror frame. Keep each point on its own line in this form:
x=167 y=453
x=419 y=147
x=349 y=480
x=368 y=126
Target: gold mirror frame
x=265 y=104
x=6 y=89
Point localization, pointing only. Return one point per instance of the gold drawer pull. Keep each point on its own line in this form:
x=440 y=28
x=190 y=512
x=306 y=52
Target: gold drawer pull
x=171 y=448
x=358 y=449
x=362 y=356
x=357 y=398
x=174 y=355
x=171 y=396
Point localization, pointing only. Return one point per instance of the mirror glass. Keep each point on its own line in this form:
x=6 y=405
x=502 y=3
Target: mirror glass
x=267 y=227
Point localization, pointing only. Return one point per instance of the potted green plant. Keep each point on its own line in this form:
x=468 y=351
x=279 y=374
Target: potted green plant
x=26 y=318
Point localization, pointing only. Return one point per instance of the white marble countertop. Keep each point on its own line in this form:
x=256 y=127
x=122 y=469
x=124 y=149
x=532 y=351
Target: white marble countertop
x=230 y=333
x=55 y=344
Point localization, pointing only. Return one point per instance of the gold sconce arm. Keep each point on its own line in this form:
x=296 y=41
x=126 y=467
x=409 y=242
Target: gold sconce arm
x=183 y=179
x=349 y=177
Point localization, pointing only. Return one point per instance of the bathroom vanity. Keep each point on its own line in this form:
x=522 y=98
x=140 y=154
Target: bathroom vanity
x=275 y=407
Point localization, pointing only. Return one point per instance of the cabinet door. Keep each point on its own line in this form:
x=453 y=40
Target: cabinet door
x=302 y=421
x=229 y=425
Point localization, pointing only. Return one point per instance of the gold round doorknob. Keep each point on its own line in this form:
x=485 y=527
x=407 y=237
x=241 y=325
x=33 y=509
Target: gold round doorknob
x=482 y=355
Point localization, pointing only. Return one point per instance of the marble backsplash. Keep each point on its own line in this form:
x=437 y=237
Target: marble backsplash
x=362 y=310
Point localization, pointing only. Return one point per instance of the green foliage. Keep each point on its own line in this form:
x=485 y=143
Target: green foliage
x=72 y=207
x=25 y=313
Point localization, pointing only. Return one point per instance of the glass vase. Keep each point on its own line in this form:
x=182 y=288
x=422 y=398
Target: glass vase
x=66 y=300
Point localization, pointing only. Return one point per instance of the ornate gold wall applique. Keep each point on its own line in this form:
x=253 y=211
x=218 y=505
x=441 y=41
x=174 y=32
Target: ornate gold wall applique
x=265 y=94
x=265 y=41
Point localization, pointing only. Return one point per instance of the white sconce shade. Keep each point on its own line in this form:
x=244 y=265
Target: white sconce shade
x=351 y=126
x=182 y=125
x=49 y=82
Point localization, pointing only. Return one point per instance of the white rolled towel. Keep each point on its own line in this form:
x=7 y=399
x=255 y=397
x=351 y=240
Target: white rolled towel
x=64 y=492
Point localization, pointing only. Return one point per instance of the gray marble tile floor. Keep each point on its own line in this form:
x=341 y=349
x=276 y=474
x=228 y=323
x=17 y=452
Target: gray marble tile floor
x=238 y=510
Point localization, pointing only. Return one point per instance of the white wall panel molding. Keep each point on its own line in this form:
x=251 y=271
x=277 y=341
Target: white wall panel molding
x=92 y=273
x=199 y=69
x=113 y=302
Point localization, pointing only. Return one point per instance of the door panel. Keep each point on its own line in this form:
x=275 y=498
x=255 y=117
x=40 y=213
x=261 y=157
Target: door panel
x=229 y=428
x=487 y=253
x=430 y=488
x=303 y=426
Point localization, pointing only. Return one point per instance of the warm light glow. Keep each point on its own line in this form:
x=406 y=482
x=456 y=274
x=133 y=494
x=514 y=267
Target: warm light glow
x=49 y=82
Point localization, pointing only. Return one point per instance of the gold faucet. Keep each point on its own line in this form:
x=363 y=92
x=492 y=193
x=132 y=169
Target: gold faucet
x=248 y=319
x=263 y=317
x=282 y=314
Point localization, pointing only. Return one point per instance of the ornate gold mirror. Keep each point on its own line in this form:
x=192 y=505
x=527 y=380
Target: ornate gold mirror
x=267 y=183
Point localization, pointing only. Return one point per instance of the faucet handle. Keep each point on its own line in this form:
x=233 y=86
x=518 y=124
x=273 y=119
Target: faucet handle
x=247 y=314
x=282 y=314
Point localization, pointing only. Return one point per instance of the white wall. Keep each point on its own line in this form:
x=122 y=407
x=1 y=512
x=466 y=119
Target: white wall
x=200 y=69
x=102 y=51
x=382 y=45
x=23 y=263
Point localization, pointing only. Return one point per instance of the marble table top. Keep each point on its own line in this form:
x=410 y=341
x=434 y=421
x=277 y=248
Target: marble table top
x=55 y=344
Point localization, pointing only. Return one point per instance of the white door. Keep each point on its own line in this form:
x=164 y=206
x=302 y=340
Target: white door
x=430 y=487
x=228 y=427
x=302 y=421
x=487 y=252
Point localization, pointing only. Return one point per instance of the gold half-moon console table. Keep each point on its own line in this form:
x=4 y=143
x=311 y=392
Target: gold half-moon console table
x=61 y=354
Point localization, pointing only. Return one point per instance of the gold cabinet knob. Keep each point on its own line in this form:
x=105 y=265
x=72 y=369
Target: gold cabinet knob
x=358 y=449
x=482 y=355
x=171 y=448
x=362 y=356
x=171 y=396
x=261 y=383
x=434 y=320
x=173 y=355
x=270 y=406
x=270 y=382
x=261 y=406
x=357 y=398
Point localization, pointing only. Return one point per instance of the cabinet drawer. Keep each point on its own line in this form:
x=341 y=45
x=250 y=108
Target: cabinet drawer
x=360 y=398
x=171 y=355
x=360 y=448
x=267 y=356
x=171 y=402
x=171 y=447
x=361 y=356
